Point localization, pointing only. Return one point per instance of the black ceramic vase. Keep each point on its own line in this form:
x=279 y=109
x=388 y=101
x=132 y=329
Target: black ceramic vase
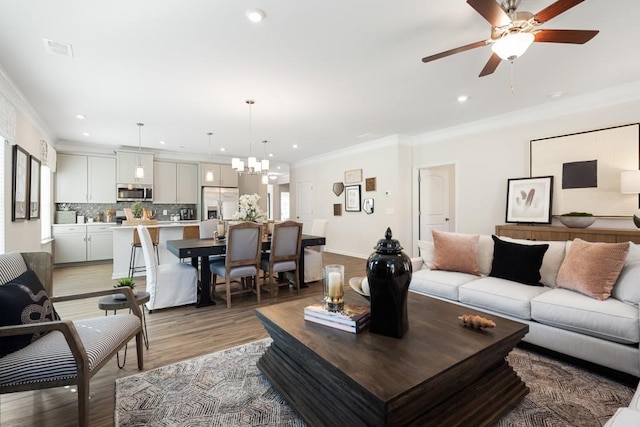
x=389 y=275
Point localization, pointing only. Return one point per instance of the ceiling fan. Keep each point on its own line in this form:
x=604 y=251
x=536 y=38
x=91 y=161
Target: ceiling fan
x=513 y=32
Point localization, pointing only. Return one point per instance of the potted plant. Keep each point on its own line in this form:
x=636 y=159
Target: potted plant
x=125 y=282
x=137 y=209
x=577 y=219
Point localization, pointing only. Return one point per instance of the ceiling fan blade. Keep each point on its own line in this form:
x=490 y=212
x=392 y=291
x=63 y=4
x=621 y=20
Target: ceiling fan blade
x=555 y=9
x=491 y=11
x=453 y=51
x=491 y=65
x=565 y=36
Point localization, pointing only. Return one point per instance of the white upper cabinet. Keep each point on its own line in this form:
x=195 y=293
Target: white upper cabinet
x=127 y=162
x=175 y=183
x=223 y=175
x=85 y=179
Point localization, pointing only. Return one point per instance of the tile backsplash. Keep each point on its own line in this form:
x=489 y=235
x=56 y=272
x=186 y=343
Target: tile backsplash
x=96 y=210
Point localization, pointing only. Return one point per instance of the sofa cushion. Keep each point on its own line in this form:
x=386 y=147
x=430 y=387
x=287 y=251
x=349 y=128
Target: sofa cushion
x=627 y=288
x=552 y=260
x=455 y=252
x=592 y=268
x=443 y=284
x=610 y=319
x=624 y=417
x=23 y=300
x=485 y=253
x=520 y=263
x=501 y=296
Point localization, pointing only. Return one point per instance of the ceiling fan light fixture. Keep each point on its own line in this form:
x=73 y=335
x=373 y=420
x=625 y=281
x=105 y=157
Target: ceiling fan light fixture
x=512 y=45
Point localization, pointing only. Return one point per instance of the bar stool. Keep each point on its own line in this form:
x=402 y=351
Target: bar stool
x=135 y=245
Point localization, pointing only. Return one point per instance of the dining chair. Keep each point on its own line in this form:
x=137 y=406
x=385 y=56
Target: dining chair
x=242 y=260
x=207 y=227
x=284 y=255
x=171 y=284
x=313 y=262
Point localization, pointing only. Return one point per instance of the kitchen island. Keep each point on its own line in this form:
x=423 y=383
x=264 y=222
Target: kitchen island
x=123 y=237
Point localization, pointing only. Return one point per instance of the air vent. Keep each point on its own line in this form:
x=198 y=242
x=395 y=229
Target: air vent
x=57 y=48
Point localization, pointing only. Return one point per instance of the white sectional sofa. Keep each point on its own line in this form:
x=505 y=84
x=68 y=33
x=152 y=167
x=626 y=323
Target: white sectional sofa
x=605 y=332
x=629 y=416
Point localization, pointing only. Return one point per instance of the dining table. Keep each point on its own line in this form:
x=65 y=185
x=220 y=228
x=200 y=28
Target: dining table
x=202 y=249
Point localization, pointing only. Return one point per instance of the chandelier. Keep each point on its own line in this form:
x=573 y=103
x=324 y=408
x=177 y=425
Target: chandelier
x=253 y=166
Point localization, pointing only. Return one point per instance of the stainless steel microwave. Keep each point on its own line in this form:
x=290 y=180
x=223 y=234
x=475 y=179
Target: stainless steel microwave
x=134 y=192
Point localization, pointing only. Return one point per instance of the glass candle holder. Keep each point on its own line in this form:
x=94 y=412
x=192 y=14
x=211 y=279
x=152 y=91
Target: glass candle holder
x=333 y=280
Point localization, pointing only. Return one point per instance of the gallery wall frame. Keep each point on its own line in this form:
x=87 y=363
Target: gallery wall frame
x=529 y=200
x=370 y=184
x=353 y=176
x=34 y=188
x=19 y=182
x=587 y=167
x=352 y=198
x=337 y=209
x=338 y=188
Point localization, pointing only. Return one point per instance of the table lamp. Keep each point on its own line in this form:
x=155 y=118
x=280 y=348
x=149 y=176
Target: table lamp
x=630 y=184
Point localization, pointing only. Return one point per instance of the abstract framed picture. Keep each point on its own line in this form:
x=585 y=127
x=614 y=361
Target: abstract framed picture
x=34 y=188
x=529 y=200
x=352 y=198
x=19 y=189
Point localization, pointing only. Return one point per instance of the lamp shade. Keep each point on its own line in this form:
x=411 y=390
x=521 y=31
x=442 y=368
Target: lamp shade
x=512 y=45
x=630 y=182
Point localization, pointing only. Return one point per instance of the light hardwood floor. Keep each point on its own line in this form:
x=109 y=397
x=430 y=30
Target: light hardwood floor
x=175 y=334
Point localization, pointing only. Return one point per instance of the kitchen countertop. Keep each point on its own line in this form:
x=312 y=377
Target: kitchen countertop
x=159 y=224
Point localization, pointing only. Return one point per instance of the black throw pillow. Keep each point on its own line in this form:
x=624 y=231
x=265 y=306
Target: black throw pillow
x=516 y=262
x=23 y=300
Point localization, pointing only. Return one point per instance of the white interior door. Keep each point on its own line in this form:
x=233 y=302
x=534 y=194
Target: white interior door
x=304 y=203
x=434 y=184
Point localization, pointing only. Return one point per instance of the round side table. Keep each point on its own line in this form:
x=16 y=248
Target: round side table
x=110 y=303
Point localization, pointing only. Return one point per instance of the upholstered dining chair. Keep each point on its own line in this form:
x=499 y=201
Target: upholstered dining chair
x=285 y=252
x=313 y=254
x=207 y=227
x=169 y=285
x=244 y=247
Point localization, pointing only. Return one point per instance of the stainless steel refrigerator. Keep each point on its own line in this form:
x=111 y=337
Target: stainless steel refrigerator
x=219 y=203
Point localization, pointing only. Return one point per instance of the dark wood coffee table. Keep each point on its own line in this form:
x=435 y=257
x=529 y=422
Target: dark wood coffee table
x=440 y=373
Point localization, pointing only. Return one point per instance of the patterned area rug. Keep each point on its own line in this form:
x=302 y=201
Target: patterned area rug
x=226 y=389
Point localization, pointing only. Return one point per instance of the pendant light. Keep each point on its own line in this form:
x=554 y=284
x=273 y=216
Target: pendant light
x=253 y=166
x=265 y=164
x=209 y=175
x=139 y=172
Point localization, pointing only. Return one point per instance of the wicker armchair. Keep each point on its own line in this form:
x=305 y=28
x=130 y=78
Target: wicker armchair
x=71 y=352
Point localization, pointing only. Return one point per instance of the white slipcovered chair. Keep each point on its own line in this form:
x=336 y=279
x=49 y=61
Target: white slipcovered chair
x=313 y=254
x=207 y=227
x=169 y=285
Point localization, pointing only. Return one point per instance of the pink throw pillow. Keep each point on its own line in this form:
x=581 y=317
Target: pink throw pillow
x=455 y=252
x=592 y=268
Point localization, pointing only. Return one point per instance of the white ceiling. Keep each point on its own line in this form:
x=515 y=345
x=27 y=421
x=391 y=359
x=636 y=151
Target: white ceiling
x=325 y=74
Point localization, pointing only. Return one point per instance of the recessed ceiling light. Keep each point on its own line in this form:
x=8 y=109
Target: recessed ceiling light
x=278 y=168
x=295 y=145
x=163 y=142
x=80 y=116
x=86 y=134
x=463 y=98
x=255 y=15
x=223 y=149
x=270 y=154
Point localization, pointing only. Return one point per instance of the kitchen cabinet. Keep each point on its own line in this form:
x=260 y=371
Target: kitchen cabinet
x=223 y=175
x=81 y=242
x=175 y=183
x=127 y=162
x=99 y=242
x=85 y=179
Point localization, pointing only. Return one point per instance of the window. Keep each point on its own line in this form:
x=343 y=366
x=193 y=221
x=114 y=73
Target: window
x=45 y=202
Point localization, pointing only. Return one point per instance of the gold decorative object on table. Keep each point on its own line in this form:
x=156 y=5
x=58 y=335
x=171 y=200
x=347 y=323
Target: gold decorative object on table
x=477 y=322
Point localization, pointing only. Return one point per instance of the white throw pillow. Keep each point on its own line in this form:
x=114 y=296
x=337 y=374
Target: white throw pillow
x=627 y=288
x=426 y=253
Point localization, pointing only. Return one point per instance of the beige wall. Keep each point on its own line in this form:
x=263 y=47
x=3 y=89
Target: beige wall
x=21 y=236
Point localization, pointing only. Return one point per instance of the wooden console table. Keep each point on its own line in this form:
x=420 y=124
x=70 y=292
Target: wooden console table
x=590 y=234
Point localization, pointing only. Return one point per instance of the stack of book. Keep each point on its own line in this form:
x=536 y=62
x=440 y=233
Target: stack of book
x=353 y=318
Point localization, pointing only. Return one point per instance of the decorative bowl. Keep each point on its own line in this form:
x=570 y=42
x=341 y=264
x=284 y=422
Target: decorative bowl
x=356 y=285
x=576 y=221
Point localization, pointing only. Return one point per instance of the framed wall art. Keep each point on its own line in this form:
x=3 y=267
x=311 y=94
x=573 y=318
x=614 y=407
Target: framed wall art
x=19 y=189
x=337 y=209
x=587 y=168
x=353 y=176
x=370 y=184
x=352 y=198
x=34 y=188
x=338 y=188
x=529 y=200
